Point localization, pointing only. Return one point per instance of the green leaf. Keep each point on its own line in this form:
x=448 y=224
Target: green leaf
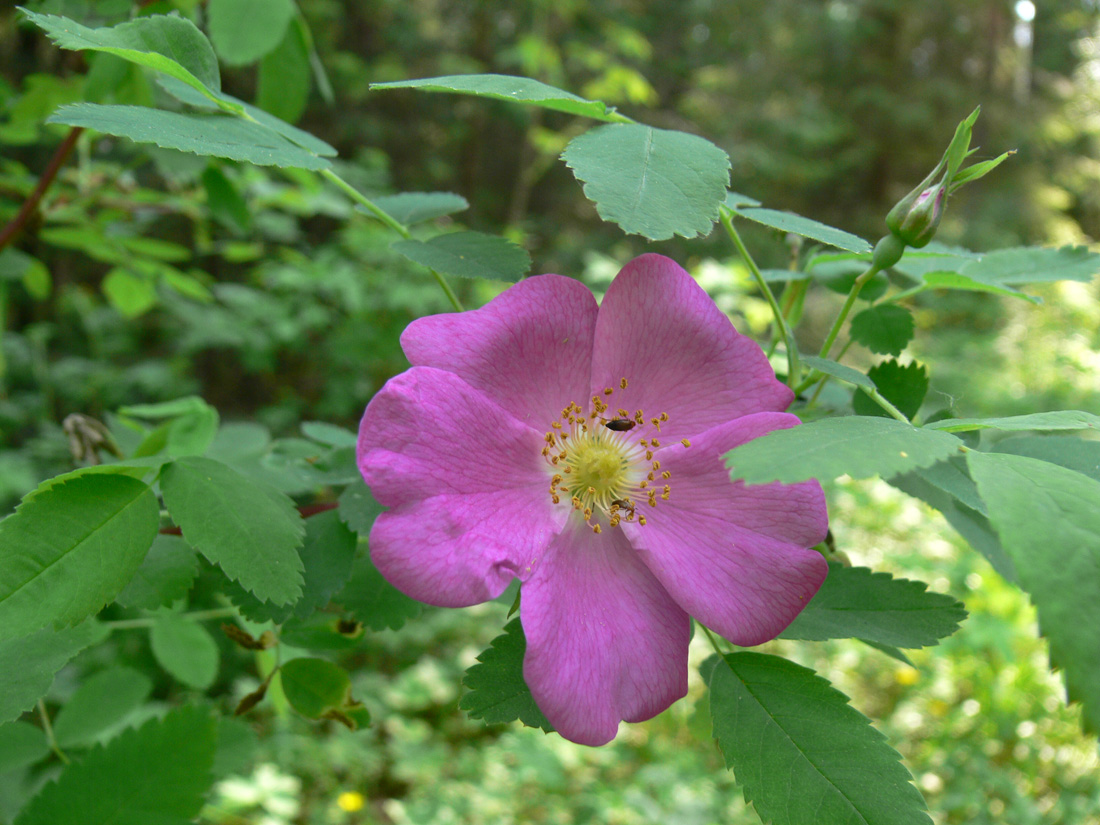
x=736 y=199
x=956 y=280
x=329 y=434
x=185 y=649
x=190 y=429
x=1056 y=420
x=237 y=742
x=651 y=182
x=243 y=31
x=165 y=43
x=358 y=509
x=283 y=82
x=1048 y=519
x=158 y=773
x=884 y=329
x=861 y=446
x=131 y=293
x=224 y=201
x=800 y=752
x=807 y=228
x=511 y=89
x=1077 y=454
x=414 y=207
x=21 y=745
x=28 y=664
x=904 y=386
x=373 y=600
x=935 y=257
x=223 y=136
x=856 y=603
x=327 y=556
x=102 y=702
x=70 y=548
x=978 y=170
x=1032 y=265
x=315 y=686
x=841 y=371
x=469 y=255
x=497 y=692
x=248 y=529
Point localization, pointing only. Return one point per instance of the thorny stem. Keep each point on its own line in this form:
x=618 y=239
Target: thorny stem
x=48 y=729
x=389 y=221
x=781 y=322
x=60 y=155
x=198 y=616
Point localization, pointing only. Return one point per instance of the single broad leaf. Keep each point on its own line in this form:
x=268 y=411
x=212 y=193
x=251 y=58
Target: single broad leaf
x=248 y=529
x=315 y=686
x=237 y=742
x=469 y=255
x=166 y=43
x=329 y=434
x=70 y=548
x=102 y=702
x=497 y=692
x=511 y=89
x=243 y=31
x=176 y=408
x=28 y=664
x=223 y=200
x=185 y=649
x=903 y=385
x=327 y=556
x=856 y=603
x=956 y=280
x=21 y=745
x=131 y=293
x=186 y=94
x=651 y=182
x=158 y=773
x=358 y=509
x=800 y=752
x=736 y=199
x=1075 y=454
x=935 y=257
x=414 y=207
x=284 y=79
x=1033 y=264
x=861 y=446
x=885 y=329
x=807 y=228
x=836 y=370
x=223 y=136
x=970 y=523
x=889 y=650
x=1048 y=519
x=1056 y=420
x=374 y=601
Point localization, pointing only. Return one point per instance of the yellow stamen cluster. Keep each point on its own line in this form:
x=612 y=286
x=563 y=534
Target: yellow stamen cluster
x=604 y=465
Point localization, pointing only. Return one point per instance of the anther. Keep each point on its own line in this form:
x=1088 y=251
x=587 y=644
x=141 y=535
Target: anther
x=685 y=442
x=666 y=474
x=664 y=416
x=641 y=520
x=608 y=390
x=622 y=383
x=596 y=529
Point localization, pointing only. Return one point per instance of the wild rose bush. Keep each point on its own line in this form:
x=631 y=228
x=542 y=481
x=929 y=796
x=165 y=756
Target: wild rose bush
x=638 y=465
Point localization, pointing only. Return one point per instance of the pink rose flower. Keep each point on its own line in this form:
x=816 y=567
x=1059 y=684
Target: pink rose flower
x=579 y=449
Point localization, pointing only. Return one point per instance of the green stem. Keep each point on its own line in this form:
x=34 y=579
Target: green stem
x=785 y=331
x=713 y=641
x=891 y=410
x=48 y=729
x=197 y=616
x=830 y=339
x=389 y=221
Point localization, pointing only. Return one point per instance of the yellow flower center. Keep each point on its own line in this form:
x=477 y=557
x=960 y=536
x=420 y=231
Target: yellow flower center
x=603 y=461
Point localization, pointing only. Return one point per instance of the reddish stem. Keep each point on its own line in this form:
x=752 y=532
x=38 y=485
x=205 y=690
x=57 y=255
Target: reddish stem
x=7 y=235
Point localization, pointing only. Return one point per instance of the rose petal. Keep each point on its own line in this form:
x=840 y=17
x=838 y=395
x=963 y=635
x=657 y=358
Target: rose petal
x=458 y=550
x=427 y=432
x=530 y=348
x=733 y=557
x=680 y=353
x=605 y=642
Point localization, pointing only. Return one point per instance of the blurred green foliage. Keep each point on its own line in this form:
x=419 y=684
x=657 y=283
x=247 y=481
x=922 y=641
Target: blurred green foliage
x=149 y=275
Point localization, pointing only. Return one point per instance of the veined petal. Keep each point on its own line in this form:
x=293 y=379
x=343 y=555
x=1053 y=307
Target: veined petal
x=530 y=348
x=458 y=550
x=427 y=433
x=734 y=557
x=605 y=642
x=681 y=355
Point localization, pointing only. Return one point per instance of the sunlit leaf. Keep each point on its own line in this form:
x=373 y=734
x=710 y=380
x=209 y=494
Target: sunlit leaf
x=807 y=228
